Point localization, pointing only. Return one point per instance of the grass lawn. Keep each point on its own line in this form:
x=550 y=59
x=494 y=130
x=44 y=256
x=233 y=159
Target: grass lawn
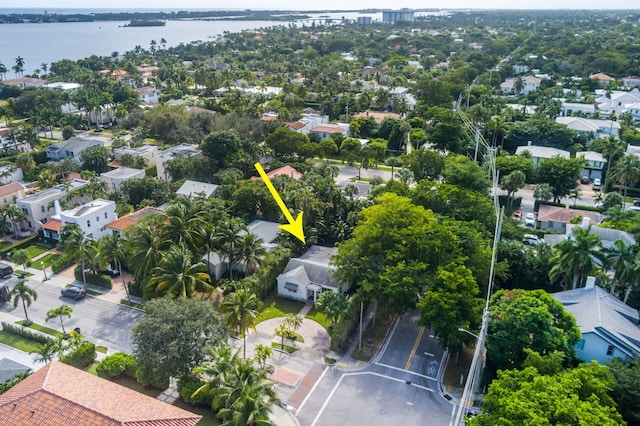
x=288 y=349
x=22 y=274
x=4 y=243
x=101 y=349
x=42 y=328
x=18 y=342
x=36 y=249
x=319 y=317
x=275 y=307
x=47 y=260
x=92 y=368
x=208 y=416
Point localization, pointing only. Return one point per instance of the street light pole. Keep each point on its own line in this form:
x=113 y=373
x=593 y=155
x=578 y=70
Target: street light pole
x=44 y=270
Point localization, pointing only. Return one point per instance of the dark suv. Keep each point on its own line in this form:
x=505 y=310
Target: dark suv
x=74 y=292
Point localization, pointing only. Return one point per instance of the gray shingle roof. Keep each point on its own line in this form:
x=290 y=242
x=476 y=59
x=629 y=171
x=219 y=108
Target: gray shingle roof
x=315 y=264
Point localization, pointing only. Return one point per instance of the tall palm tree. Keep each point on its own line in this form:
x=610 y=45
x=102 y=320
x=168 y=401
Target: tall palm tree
x=573 y=259
x=3 y=71
x=293 y=321
x=176 y=274
x=21 y=292
x=250 y=251
x=81 y=248
x=184 y=224
x=242 y=313
x=111 y=250
x=14 y=215
x=251 y=408
x=392 y=162
x=21 y=257
x=626 y=171
x=145 y=251
x=242 y=375
x=228 y=236
x=63 y=310
x=220 y=361
x=623 y=259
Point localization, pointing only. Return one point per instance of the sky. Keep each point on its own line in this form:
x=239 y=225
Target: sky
x=325 y=5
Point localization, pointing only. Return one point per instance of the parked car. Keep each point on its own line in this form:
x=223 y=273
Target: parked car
x=517 y=214
x=5 y=270
x=112 y=272
x=74 y=292
x=530 y=220
x=636 y=202
x=4 y=294
x=584 y=180
x=530 y=239
x=596 y=184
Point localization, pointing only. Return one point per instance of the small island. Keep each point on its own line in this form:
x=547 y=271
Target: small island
x=145 y=23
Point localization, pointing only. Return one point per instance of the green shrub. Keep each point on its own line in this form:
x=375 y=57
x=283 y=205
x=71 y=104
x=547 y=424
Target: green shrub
x=101 y=280
x=188 y=385
x=264 y=281
x=134 y=288
x=25 y=332
x=82 y=356
x=151 y=171
x=61 y=263
x=117 y=365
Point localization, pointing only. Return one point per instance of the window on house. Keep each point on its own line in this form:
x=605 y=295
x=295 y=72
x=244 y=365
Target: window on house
x=89 y=223
x=42 y=209
x=610 y=350
x=292 y=287
x=4 y=200
x=105 y=215
x=97 y=218
x=580 y=345
x=103 y=229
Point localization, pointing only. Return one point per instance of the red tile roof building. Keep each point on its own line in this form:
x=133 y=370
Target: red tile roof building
x=285 y=170
x=61 y=395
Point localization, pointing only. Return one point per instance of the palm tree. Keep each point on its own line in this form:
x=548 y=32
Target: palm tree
x=392 y=162
x=3 y=70
x=221 y=359
x=242 y=313
x=623 y=259
x=46 y=351
x=283 y=332
x=252 y=407
x=261 y=354
x=293 y=321
x=184 y=224
x=250 y=251
x=145 y=251
x=228 y=238
x=63 y=310
x=242 y=375
x=25 y=294
x=19 y=66
x=21 y=257
x=15 y=215
x=176 y=274
x=626 y=171
x=111 y=250
x=573 y=259
x=81 y=248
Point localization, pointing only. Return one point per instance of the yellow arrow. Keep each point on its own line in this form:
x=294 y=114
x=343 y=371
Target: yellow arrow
x=294 y=227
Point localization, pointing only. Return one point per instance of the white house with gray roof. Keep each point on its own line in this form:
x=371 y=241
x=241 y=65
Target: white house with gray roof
x=609 y=327
x=148 y=152
x=71 y=148
x=174 y=153
x=539 y=153
x=193 y=188
x=116 y=177
x=306 y=277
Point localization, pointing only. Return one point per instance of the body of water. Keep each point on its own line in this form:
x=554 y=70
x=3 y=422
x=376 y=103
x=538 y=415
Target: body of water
x=48 y=43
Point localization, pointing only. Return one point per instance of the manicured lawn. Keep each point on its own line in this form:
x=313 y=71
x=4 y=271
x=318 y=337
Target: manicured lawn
x=92 y=368
x=4 y=243
x=275 y=307
x=42 y=328
x=288 y=349
x=47 y=260
x=208 y=416
x=18 y=342
x=37 y=248
x=319 y=317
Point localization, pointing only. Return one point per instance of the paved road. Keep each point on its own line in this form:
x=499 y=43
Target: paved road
x=398 y=388
x=104 y=323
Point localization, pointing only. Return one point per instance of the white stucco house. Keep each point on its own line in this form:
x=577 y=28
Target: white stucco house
x=306 y=277
x=148 y=95
x=567 y=109
x=617 y=101
x=539 y=153
x=609 y=327
x=71 y=148
x=591 y=128
x=91 y=217
x=10 y=174
x=192 y=189
x=595 y=164
x=38 y=206
x=174 y=153
x=115 y=178
x=148 y=152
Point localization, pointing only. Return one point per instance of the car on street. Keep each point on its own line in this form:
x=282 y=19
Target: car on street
x=636 y=202
x=596 y=184
x=530 y=220
x=74 y=292
x=5 y=270
x=530 y=239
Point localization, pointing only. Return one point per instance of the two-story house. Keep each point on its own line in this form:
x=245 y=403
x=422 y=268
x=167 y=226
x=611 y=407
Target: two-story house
x=595 y=164
x=116 y=177
x=148 y=152
x=173 y=153
x=122 y=225
x=71 y=148
x=148 y=95
x=91 y=217
x=9 y=193
x=539 y=153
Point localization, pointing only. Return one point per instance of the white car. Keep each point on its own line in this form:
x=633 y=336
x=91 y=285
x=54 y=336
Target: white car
x=530 y=239
x=530 y=220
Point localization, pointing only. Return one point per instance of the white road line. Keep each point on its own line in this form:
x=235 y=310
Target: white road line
x=312 y=389
x=335 y=388
x=405 y=371
x=429 y=354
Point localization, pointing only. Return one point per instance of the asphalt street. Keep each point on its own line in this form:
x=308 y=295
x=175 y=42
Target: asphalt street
x=399 y=386
x=104 y=323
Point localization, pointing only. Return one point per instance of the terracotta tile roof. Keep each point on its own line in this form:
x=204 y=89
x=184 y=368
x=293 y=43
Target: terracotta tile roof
x=284 y=170
x=10 y=188
x=53 y=225
x=115 y=164
x=73 y=175
x=132 y=218
x=563 y=214
x=61 y=395
x=327 y=129
x=377 y=115
x=297 y=125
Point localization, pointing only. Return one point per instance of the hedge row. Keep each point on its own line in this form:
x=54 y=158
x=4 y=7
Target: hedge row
x=19 y=245
x=347 y=324
x=25 y=332
x=82 y=356
x=103 y=281
x=61 y=263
